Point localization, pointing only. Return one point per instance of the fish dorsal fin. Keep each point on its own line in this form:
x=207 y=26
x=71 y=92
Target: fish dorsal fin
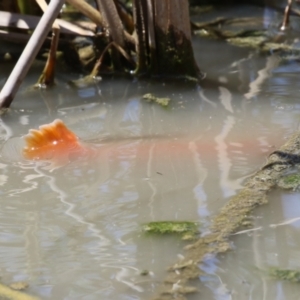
x=50 y=141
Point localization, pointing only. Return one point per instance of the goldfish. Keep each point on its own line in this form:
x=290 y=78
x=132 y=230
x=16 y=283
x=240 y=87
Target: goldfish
x=56 y=144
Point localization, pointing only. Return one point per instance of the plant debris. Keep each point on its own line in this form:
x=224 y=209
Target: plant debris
x=287 y=275
x=161 y=101
x=187 y=230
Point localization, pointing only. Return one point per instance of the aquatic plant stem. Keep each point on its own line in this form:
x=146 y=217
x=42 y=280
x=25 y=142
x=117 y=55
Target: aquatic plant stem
x=47 y=77
x=33 y=46
x=97 y=66
x=286 y=17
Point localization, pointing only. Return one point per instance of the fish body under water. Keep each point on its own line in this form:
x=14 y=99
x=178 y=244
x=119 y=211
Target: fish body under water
x=56 y=144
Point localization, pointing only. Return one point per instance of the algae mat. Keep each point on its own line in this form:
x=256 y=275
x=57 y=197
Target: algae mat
x=234 y=214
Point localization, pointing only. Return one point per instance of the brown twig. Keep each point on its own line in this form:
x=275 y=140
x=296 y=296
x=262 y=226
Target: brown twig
x=286 y=16
x=48 y=74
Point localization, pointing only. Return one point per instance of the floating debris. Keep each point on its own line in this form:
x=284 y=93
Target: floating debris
x=264 y=46
x=288 y=275
x=247 y=32
x=161 y=101
x=187 y=230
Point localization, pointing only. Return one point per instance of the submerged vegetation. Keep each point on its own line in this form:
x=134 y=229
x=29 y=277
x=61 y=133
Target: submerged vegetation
x=287 y=275
x=141 y=39
x=291 y=181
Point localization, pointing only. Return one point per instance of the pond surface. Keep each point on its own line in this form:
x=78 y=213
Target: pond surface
x=74 y=231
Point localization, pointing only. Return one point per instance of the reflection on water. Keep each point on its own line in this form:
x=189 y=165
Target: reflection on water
x=75 y=232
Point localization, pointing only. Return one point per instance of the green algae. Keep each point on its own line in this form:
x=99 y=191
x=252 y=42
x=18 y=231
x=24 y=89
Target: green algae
x=187 y=230
x=291 y=181
x=161 y=101
x=285 y=274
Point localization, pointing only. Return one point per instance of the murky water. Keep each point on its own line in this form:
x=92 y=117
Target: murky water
x=74 y=232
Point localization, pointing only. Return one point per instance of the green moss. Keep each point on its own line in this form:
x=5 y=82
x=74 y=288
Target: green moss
x=161 y=101
x=288 y=275
x=291 y=181
x=187 y=230
x=144 y=273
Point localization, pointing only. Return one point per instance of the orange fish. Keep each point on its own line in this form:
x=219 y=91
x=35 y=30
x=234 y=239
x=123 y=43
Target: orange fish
x=56 y=144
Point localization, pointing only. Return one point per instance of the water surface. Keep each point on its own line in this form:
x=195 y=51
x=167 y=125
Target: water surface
x=75 y=232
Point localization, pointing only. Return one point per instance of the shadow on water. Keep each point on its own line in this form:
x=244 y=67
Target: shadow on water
x=75 y=232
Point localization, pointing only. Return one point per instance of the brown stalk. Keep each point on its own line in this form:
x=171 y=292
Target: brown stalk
x=286 y=16
x=140 y=27
x=96 y=17
x=112 y=19
x=48 y=74
x=13 y=20
x=98 y=64
x=125 y=16
x=88 y=11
